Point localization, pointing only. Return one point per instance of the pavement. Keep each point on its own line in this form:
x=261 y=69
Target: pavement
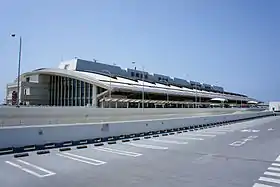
x=240 y=154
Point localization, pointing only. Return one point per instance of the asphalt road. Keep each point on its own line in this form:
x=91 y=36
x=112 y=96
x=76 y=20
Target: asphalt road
x=241 y=154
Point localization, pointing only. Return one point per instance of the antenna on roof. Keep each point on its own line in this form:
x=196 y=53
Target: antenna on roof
x=94 y=60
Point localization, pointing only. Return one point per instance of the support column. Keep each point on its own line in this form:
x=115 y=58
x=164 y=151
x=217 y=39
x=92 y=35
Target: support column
x=76 y=92
x=50 y=90
x=57 y=91
x=88 y=95
x=116 y=104
x=72 y=91
x=127 y=105
x=65 y=91
x=68 y=91
x=94 y=96
x=61 y=91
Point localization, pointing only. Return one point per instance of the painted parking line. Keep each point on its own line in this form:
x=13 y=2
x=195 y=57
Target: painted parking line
x=278 y=159
x=197 y=134
x=185 y=138
x=117 y=151
x=272 y=174
x=48 y=173
x=213 y=132
x=148 y=146
x=261 y=185
x=169 y=141
x=275 y=164
x=82 y=159
x=271 y=180
x=274 y=169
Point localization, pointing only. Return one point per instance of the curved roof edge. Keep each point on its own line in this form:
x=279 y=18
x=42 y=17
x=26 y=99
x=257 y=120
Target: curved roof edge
x=67 y=73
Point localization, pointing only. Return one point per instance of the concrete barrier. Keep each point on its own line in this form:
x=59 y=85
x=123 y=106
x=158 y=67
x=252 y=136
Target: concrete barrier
x=40 y=135
x=59 y=115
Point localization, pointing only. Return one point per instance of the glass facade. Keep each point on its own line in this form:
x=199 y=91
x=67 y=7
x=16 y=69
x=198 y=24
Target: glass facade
x=66 y=91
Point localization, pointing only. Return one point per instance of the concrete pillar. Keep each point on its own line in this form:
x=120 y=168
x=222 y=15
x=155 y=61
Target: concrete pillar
x=65 y=91
x=94 y=96
x=72 y=91
x=61 y=92
x=85 y=95
x=127 y=105
x=138 y=105
x=116 y=104
x=56 y=90
x=76 y=91
x=80 y=96
x=88 y=96
x=68 y=91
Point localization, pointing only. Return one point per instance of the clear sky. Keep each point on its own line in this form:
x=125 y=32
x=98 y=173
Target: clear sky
x=233 y=42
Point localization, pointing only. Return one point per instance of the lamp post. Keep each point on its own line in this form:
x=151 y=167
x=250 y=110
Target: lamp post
x=167 y=95
x=19 y=63
x=143 y=91
x=195 y=96
x=110 y=90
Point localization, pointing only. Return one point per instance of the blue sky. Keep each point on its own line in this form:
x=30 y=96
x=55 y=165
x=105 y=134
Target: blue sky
x=233 y=42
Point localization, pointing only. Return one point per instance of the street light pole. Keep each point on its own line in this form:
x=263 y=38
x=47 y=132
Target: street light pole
x=110 y=90
x=143 y=92
x=19 y=65
x=167 y=95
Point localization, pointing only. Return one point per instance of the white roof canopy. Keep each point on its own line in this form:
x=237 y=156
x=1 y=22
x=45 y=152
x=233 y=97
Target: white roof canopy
x=218 y=99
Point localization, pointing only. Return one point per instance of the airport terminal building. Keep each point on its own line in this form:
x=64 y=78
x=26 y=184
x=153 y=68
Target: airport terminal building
x=86 y=83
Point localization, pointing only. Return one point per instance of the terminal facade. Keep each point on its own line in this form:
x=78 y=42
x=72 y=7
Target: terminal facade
x=85 y=83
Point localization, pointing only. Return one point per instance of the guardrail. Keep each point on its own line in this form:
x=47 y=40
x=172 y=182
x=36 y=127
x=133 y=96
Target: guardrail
x=22 y=139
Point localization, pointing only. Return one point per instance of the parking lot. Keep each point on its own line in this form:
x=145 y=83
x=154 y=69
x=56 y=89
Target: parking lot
x=228 y=155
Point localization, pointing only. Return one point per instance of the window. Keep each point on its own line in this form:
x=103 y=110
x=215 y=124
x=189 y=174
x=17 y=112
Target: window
x=137 y=74
x=27 y=79
x=159 y=78
x=141 y=75
x=132 y=74
x=146 y=76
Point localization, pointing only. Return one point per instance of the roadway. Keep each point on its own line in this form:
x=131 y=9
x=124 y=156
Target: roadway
x=240 y=154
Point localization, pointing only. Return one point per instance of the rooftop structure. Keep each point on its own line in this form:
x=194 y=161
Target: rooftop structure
x=82 y=83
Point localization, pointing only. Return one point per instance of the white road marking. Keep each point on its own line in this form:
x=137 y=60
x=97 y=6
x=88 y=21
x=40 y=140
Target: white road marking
x=221 y=130
x=116 y=151
x=261 y=185
x=250 y=130
x=272 y=174
x=24 y=169
x=273 y=169
x=49 y=173
x=270 y=180
x=270 y=129
x=275 y=164
x=168 y=141
x=147 y=146
x=213 y=132
x=82 y=159
x=278 y=159
x=243 y=141
x=185 y=138
x=196 y=134
x=30 y=171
